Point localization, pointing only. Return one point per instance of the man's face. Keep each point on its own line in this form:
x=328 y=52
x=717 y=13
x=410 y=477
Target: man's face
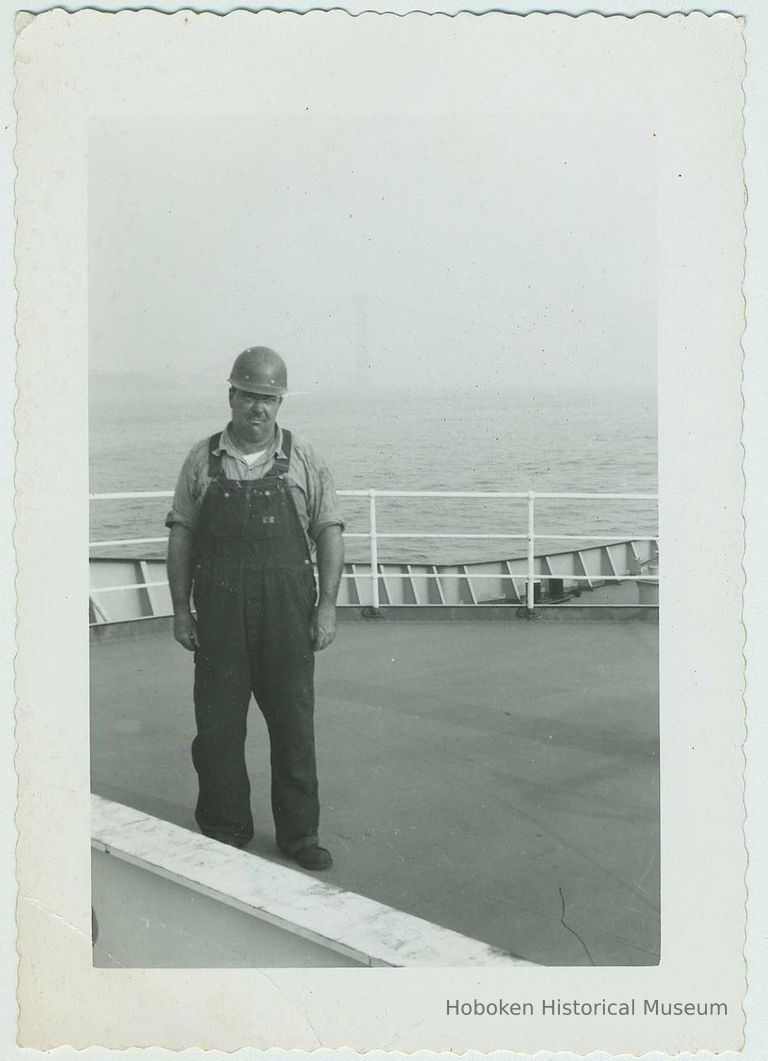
x=253 y=415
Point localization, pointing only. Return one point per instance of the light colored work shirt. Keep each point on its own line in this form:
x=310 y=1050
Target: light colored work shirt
x=308 y=477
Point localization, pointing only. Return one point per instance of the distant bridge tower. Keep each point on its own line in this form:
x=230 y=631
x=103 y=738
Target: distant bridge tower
x=362 y=363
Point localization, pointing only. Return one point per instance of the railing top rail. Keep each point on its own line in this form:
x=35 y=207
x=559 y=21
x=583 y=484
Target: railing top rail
x=130 y=495
x=527 y=495
x=616 y=539
x=523 y=495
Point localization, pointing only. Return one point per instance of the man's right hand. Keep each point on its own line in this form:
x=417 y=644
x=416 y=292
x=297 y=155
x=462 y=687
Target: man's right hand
x=185 y=631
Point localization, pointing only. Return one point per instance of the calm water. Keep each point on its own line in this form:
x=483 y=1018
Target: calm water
x=140 y=431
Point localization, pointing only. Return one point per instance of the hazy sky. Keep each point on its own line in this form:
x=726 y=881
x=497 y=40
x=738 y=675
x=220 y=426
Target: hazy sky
x=493 y=252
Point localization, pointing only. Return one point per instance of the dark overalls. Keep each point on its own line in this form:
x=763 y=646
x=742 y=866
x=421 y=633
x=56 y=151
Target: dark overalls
x=254 y=593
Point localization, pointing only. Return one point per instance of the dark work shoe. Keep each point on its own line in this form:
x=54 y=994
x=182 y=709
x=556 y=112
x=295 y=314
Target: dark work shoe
x=312 y=856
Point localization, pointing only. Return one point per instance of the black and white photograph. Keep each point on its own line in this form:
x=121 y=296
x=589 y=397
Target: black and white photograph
x=415 y=345
x=387 y=413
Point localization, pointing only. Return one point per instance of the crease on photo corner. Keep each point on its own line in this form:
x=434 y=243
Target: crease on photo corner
x=296 y=1008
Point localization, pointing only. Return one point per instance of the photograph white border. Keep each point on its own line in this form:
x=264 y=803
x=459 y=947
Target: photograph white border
x=714 y=414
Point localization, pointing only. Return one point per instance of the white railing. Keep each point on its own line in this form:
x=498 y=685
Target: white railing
x=374 y=535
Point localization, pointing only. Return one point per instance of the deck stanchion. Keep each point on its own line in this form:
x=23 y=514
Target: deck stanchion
x=374 y=551
x=531 y=561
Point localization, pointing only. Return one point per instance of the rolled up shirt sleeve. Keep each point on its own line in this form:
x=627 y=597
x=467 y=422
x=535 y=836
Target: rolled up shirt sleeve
x=188 y=495
x=322 y=500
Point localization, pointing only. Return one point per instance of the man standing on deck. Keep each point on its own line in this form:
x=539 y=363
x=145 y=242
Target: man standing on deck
x=250 y=503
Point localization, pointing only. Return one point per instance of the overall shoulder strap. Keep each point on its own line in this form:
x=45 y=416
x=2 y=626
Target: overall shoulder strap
x=214 y=458
x=280 y=467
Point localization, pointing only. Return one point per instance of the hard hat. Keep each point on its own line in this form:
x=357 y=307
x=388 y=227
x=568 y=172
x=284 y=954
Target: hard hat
x=259 y=370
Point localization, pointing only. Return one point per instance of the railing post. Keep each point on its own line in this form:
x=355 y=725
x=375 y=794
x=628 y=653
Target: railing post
x=529 y=580
x=374 y=550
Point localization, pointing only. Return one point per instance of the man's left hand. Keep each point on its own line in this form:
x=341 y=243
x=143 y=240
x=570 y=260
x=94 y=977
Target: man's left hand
x=323 y=625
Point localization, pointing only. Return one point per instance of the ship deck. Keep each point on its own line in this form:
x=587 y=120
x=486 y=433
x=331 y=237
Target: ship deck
x=499 y=778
